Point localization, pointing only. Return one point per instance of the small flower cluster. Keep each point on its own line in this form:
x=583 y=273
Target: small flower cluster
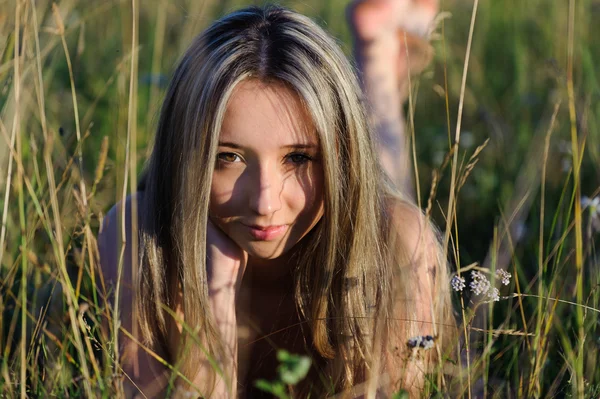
x=480 y=285
x=504 y=276
x=592 y=205
x=458 y=283
x=421 y=341
x=494 y=294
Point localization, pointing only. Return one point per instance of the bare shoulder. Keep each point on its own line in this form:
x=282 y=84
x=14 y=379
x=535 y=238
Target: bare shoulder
x=415 y=245
x=411 y=231
x=115 y=239
x=115 y=242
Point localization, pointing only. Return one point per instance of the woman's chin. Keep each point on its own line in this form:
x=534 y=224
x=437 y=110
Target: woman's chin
x=265 y=251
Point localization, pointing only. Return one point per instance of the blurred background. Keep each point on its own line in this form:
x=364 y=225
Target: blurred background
x=521 y=94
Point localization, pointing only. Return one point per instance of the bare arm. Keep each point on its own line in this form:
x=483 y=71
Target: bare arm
x=226 y=264
x=416 y=298
x=144 y=374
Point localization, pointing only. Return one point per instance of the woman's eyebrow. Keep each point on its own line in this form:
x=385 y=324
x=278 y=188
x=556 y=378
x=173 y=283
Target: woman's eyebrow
x=289 y=146
x=229 y=144
x=301 y=146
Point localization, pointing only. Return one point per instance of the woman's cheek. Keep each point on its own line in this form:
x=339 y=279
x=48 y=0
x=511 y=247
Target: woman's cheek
x=313 y=185
x=222 y=199
x=308 y=195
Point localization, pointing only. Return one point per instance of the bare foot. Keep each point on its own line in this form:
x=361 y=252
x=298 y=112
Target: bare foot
x=370 y=18
x=390 y=42
x=410 y=21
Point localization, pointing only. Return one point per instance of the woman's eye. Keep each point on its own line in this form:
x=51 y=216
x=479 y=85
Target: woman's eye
x=298 y=158
x=229 y=157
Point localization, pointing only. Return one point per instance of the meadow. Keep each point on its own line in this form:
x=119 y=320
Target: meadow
x=507 y=142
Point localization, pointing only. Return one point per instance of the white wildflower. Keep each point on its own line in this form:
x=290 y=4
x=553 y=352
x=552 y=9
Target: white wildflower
x=592 y=203
x=479 y=284
x=415 y=341
x=427 y=342
x=421 y=341
x=458 y=283
x=494 y=294
x=593 y=207
x=504 y=275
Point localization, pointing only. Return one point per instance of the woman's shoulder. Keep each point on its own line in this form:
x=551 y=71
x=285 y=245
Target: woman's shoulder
x=115 y=249
x=410 y=230
x=131 y=201
x=111 y=239
x=406 y=218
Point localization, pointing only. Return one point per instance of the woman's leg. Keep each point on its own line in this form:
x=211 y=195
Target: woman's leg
x=383 y=30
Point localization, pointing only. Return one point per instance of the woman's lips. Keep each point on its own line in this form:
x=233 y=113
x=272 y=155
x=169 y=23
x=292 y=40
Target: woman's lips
x=266 y=233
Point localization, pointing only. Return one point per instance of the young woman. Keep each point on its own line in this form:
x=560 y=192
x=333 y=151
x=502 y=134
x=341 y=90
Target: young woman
x=265 y=222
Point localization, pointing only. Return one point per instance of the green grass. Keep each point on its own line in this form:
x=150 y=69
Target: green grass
x=79 y=105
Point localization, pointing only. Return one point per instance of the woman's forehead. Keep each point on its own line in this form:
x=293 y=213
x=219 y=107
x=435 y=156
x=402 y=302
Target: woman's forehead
x=267 y=111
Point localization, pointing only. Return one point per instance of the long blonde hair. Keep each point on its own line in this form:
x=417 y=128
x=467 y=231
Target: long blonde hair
x=343 y=274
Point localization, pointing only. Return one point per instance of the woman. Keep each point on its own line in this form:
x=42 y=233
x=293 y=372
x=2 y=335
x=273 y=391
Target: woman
x=266 y=222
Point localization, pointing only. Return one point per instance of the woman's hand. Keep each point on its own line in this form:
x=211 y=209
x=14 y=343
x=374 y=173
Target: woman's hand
x=225 y=266
x=225 y=260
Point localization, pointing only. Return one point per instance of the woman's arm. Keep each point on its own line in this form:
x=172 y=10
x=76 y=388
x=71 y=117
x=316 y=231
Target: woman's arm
x=144 y=374
x=226 y=264
x=416 y=298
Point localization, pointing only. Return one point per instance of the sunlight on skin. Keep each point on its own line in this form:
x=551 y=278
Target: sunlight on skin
x=390 y=41
x=267 y=189
x=266 y=195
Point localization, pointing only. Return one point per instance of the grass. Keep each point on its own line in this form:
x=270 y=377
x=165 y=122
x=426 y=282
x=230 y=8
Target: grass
x=80 y=87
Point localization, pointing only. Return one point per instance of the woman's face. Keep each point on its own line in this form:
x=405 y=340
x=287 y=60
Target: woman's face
x=267 y=187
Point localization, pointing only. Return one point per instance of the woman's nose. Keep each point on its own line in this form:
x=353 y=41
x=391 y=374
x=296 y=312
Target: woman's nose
x=265 y=195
